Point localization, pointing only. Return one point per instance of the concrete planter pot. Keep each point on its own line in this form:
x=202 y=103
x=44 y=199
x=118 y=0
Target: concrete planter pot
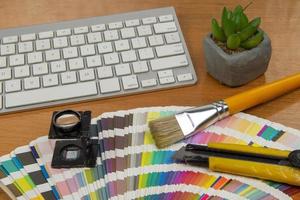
x=239 y=68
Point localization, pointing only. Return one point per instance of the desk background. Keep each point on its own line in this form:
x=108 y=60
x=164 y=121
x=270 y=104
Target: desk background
x=280 y=20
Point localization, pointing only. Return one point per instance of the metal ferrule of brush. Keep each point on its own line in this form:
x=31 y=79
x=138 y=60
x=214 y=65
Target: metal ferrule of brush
x=200 y=118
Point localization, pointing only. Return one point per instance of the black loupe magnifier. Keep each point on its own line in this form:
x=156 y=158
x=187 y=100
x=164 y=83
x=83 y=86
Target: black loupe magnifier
x=67 y=122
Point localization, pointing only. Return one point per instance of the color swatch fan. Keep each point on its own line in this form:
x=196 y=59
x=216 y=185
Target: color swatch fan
x=129 y=166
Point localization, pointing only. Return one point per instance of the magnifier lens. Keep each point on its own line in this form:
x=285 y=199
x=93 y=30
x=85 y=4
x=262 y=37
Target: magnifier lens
x=67 y=120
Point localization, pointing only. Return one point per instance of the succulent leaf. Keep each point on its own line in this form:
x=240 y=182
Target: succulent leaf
x=229 y=27
x=217 y=31
x=238 y=9
x=237 y=21
x=224 y=16
x=233 y=41
x=253 y=41
x=249 y=30
x=255 y=22
x=244 y=21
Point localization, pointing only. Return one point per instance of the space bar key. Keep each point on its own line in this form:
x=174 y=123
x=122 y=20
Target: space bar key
x=44 y=95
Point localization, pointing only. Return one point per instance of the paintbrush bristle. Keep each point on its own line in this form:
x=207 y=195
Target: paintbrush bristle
x=165 y=131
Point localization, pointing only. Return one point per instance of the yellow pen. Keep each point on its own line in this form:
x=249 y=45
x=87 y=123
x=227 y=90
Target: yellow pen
x=259 y=162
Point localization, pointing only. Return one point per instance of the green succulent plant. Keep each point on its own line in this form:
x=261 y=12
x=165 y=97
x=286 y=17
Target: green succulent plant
x=236 y=30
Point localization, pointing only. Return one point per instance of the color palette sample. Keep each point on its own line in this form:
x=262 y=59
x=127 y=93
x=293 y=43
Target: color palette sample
x=129 y=166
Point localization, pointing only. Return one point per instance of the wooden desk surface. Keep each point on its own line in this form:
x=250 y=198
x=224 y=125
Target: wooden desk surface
x=280 y=20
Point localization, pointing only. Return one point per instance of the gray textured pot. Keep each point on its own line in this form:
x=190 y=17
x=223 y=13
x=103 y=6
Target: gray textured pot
x=236 y=69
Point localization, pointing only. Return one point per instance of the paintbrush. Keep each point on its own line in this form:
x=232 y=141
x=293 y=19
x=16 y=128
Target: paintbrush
x=169 y=130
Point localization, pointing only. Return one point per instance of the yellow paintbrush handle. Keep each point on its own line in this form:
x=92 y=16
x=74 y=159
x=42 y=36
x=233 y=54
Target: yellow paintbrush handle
x=278 y=173
x=262 y=94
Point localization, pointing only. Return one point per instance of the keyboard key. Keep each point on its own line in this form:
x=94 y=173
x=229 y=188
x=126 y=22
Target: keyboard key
x=105 y=47
x=46 y=34
x=111 y=58
x=50 y=80
x=31 y=83
x=122 y=69
x=139 y=42
x=68 y=77
x=165 y=73
x=77 y=40
x=31 y=97
x=111 y=35
x=25 y=47
x=130 y=82
x=146 y=53
x=70 y=52
x=128 y=56
x=166 y=77
x=166 y=18
x=2 y=62
x=144 y=30
x=169 y=50
x=155 y=40
x=166 y=80
x=86 y=75
x=13 y=85
x=34 y=57
x=63 y=32
x=0 y=87
x=184 y=77
x=105 y=72
x=94 y=37
x=52 y=55
x=58 y=66
x=1 y=104
x=22 y=71
x=165 y=27
x=109 y=85
x=140 y=66
x=5 y=74
x=172 y=38
x=149 y=20
x=87 y=50
x=7 y=49
x=60 y=42
x=15 y=60
x=40 y=69
x=28 y=37
x=149 y=82
x=93 y=61
x=122 y=45
x=76 y=63
x=115 y=25
x=9 y=39
x=133 y=22
x=127 y=33
x=82 y=29
x=42 y=44
x=98 y=27
x=169 y=62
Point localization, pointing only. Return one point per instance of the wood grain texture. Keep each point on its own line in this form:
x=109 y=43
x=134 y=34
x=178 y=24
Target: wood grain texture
x=280 y=20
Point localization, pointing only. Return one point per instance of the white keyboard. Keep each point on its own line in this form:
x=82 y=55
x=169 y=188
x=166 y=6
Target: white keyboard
x=92 y=58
